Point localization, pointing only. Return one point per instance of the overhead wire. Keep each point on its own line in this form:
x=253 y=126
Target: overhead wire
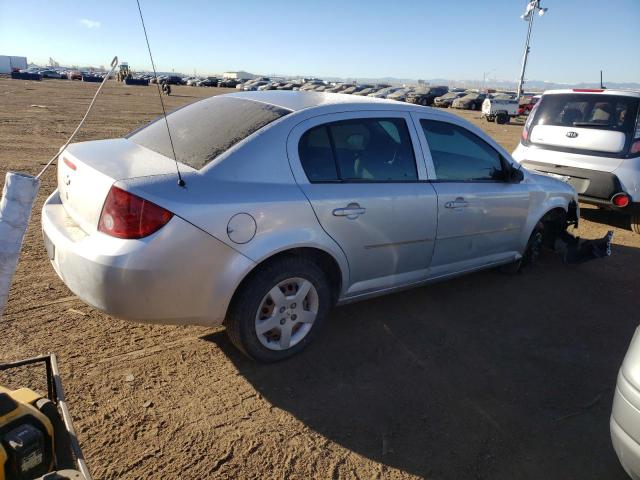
x=164 y=112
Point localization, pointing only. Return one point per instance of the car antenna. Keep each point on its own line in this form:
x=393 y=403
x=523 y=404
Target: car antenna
x=181 y=182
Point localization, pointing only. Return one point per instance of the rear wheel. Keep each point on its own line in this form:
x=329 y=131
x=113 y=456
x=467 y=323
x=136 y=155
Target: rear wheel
x=279 y=309
x=472 y=107
x=502 y=118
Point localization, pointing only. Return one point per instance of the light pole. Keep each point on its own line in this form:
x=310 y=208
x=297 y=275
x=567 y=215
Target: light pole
x=532 y=7
x=484 y=78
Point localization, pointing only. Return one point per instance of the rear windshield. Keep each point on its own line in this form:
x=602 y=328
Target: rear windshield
x=205 y=129
x=604 y=112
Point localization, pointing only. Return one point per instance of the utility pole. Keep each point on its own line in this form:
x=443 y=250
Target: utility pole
x=532 y=7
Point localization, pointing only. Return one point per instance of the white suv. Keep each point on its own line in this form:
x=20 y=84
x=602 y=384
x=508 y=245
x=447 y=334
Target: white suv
x=590 y=139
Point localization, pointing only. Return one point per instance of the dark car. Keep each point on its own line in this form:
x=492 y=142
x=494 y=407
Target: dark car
x=208 y=82
x=471 y=101
x=447 y=99
x=426 y=96
x=173 y=80
x=50 y=74
x=229 y=83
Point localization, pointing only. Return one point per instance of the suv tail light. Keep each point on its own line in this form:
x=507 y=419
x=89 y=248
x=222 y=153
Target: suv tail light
x=125 y=215
x=527 y=124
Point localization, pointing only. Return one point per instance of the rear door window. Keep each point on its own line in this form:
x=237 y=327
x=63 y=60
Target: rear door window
x=205 y=129
x=359 y=150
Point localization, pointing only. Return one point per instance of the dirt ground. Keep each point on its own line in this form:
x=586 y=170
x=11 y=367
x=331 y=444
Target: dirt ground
x=483 y=377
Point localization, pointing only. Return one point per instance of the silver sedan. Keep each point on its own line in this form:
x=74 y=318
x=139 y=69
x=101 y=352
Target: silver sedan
x=292 y=202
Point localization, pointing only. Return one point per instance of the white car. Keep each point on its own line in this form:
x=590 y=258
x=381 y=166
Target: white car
x=625 y=416
x=589 y=138
x=499 y=110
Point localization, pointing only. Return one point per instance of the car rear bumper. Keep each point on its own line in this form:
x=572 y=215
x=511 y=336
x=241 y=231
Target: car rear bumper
x=592 y=186
x=178 y=275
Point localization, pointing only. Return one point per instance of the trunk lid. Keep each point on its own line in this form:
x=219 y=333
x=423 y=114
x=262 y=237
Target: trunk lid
x=589 y=139
x=87 y=170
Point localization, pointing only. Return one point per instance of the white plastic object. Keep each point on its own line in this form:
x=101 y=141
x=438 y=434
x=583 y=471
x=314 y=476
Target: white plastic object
x=19 y=193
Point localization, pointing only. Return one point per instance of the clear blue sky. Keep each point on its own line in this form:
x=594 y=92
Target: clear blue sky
x=454 y=39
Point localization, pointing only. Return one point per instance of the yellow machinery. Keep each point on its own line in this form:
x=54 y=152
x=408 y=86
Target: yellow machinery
x=37 y=439
x=124 y=73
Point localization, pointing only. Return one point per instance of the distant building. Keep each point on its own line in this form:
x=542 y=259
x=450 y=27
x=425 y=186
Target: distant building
x=9 y=64
x=239 y=75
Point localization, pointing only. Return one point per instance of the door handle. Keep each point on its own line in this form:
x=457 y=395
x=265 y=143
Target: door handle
x=351 y=211
x=457 y=203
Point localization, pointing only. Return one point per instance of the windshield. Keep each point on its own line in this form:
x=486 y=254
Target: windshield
x=205 y=129
x=604 y=112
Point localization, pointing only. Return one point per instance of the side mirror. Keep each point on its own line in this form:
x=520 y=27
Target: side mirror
x=516 y=175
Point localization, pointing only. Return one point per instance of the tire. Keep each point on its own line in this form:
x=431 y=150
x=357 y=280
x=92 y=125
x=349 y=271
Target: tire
x=635 y=222
x=530 y=255
x=472 y=107
x=502 y=118
x=254 y=300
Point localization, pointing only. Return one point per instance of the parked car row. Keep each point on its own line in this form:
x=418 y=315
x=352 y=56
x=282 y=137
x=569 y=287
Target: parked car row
x=64 y=74
x=439 y=96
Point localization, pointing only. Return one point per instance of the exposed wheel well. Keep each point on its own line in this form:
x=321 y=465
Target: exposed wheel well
x=321 y=258
x=553 y=222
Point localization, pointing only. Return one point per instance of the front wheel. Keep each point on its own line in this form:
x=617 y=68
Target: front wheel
x=278 y=311
x=531 y=252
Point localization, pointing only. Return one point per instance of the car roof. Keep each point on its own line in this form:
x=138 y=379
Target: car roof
x=598 y=91
x=301 y=100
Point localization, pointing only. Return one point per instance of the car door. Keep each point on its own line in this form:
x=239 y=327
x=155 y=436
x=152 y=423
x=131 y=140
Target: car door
x=361 y=174
x=481 y=213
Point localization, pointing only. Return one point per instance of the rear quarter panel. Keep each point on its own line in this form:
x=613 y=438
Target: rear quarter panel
x=253 y=177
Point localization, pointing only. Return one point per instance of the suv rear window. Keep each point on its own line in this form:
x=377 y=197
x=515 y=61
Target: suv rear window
x=604 y=112
x=205 y=129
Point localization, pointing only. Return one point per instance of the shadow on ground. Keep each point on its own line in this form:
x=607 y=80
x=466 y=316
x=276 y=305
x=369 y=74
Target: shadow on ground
x=606 y=217
x=485 y=376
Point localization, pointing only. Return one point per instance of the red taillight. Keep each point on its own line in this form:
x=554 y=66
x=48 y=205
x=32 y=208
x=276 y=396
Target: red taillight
x=588 y=90
x=635 y=147
x=620 y=200
x=69 y=163
x=125 y=215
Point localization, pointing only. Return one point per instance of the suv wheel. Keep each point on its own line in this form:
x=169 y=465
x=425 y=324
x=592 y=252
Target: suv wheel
x=279 y=310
